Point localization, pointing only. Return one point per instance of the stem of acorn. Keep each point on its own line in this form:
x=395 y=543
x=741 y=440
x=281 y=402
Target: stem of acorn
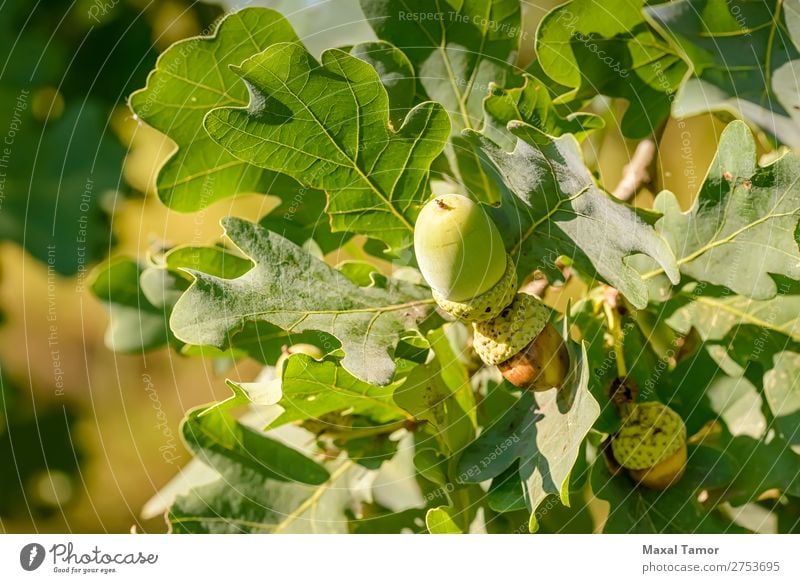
x=615 y=329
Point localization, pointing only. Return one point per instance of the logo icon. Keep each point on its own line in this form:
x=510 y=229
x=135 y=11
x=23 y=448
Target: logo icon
x=31 y=556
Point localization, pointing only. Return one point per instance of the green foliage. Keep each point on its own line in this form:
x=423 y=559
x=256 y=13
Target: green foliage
x=375 y=177
x=739 y=230
x=696 y=309
x=295 y=291
x=577 y=213
x=735 y=49
x=607 y=48
x=192 y=78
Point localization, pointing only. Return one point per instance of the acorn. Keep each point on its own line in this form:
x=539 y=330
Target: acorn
x=651 y=444
x=461 y=255
x=525 y=347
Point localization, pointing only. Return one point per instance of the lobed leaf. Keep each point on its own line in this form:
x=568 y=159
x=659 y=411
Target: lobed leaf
x=544 y=432
x=297 y=292
x=553 y=207
x=740 y=232
x=327 y=125
x=193 y=77
x=311 y=389
x=606 y=48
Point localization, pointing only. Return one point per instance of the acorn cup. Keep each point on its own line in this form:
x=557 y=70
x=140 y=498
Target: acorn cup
x=461 y=255
x=651 y=444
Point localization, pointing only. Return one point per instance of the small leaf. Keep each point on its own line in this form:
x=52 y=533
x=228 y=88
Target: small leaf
x=327 y=125
x=411 y=520
x=213 y=435
x=427 y=396
x=533 y=105
x=431 y=465
x=741 y=229
x=440 y=521
x=296 y=292
x=554 y=208
x=190 y=79
x=311 y=389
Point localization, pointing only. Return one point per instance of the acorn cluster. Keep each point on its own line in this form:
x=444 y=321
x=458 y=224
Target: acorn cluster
x=462 y=257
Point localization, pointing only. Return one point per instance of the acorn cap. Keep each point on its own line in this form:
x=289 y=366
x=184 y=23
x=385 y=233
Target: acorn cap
x=502 y=337
x=651 y=433
x=488 y=304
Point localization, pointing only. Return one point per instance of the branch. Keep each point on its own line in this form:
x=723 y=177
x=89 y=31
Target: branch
x=635 y=172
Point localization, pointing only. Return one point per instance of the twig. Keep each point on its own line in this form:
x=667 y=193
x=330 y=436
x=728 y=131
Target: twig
x=635 y=172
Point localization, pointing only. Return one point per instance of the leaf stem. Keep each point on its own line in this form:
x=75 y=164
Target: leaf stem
x=369 y=431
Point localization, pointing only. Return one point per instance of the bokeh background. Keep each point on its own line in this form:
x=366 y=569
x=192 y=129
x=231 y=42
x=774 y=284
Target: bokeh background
x=88 y=436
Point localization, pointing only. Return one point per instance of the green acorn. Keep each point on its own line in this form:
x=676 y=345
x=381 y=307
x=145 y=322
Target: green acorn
x=461 y=255
x=651 y=444
x=460 y=252
x=527 y=349
x=486 y=305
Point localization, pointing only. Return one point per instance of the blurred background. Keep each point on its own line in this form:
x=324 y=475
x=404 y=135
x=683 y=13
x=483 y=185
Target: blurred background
x=87 y=435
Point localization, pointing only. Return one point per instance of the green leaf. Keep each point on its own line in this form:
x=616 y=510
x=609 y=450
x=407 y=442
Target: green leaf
x=783 y=395
x=296 y=292
x=212 y=260
x=762 y=466
x=242 y=501
x=554 y=208
x=371 y=449
x=396 y=73
x=735 y=48
x=533 y=105
x=544 y=431
x=457 y=47
x=190 y=79
x=427 y=396
x=635 y=509
x=741 y=229
x=715 y=312
x=686 y=387
x=505 y=492
x=311 y=389
x=386 y=522
x=602 y=361
x=431 y=465
x=453 y=371
x=215 y=437
x=327 y=125
x=440 y=521
x=135 y=323
x=606 y=48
